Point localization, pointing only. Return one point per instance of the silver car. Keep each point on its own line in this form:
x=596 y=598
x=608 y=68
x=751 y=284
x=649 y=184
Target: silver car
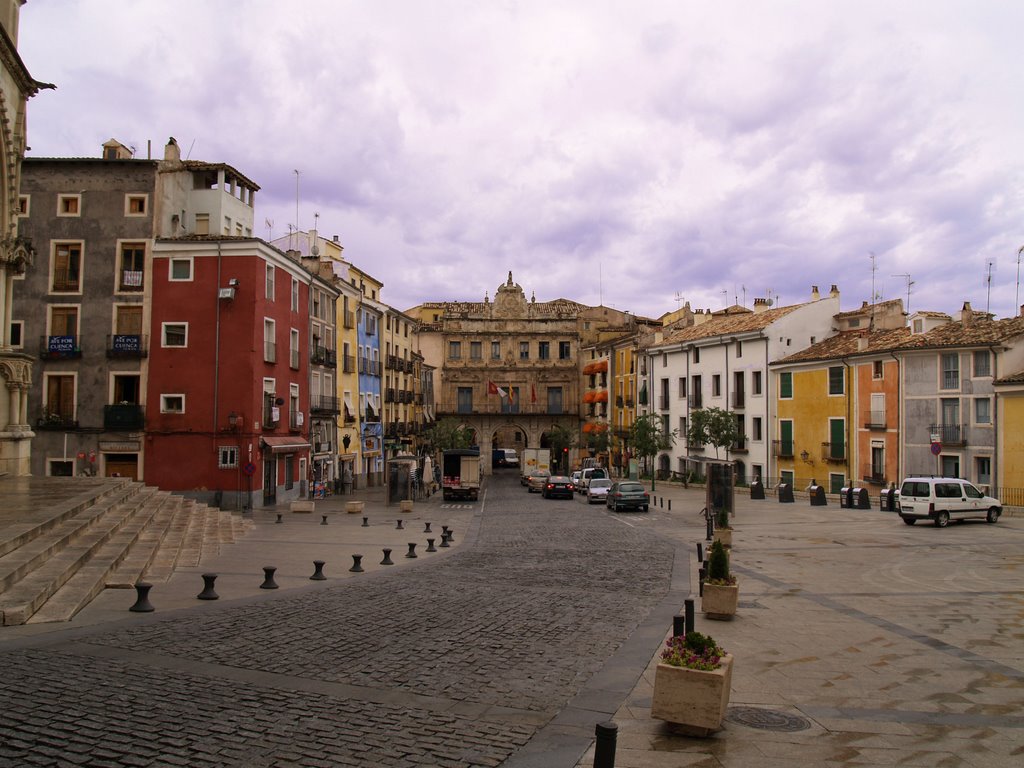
x=597 y=491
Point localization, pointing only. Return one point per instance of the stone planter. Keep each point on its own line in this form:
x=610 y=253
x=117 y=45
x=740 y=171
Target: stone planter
x=405 y=505
x=724 y=535
x=691 y=701
x=720 y=601
x=354 y=507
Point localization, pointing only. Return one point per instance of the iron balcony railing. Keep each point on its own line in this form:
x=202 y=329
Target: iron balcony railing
x=876 y=420
x=782 y=449
x=739 y=398
x=950 y=434
x=59 y=347
x=123 y=417
x=833 y=452
x=325 y=404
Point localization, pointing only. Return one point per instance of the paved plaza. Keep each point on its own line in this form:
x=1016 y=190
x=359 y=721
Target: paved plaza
x=859 y=641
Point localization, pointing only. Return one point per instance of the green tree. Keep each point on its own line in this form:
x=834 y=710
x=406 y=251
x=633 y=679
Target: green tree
x=714 y=427
x=648 y=435
x=560 y=439
x=448 y=434
x=598 y=442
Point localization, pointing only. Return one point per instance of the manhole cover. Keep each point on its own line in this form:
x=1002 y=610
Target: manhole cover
x=767 y=719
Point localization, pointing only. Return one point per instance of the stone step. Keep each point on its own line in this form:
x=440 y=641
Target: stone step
x=133 y=567
x=105 y=521
x=166 y=557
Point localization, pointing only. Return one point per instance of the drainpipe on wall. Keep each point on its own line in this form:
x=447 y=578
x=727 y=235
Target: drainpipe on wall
x=993 y=470
x=899 y=417
x=850 y=393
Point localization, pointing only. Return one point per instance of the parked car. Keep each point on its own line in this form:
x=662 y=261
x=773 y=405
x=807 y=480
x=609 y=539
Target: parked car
x=536 y=480
x=557 y=486
x=941 y=499
x=627 y=494
x=511 y=457
x=575 y=477
x=587 y=474
x=597 y=491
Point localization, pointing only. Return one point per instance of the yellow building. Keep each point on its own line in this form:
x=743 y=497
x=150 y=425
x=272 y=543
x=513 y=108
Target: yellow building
x=1010 y=425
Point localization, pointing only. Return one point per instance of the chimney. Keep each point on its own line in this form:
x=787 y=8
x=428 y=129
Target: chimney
x=862 y=343
x=760 y=305
x=335 y=238
x=966 y=315
x=172 y=152
x=833 y=292
x=814 y=293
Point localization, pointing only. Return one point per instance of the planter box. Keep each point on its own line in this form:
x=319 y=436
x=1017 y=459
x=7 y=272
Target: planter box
x=719 y=602
x=405 y=505
x=354 y=507
x=303 y=506
x=691 y=701
x=724 y=535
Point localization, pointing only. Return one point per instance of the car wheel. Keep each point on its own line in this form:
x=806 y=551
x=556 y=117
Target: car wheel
x=992 y=516
x=942 y=519
x=909 y=520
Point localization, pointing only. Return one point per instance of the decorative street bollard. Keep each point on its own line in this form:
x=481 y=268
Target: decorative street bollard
x=678 y=625
x=268 y=577
x=427 y=528
x=318 y=571
x=444 y=540
x=357 y=566
x=700 y=552
x=670 y=505
x=325 y=520
x=279 y=516
x=365 y=523
x=604 y=746
x=451 y=535
x=688 y=614
x=444 y=530
x=142 y=604
x=430 y=546
x=387 y=558
x=208 y=592
x=412 y=550
x=399 y=526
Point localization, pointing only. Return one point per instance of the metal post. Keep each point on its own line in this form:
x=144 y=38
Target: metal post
x=688 y=609
x=604 y=748
x=678 y=626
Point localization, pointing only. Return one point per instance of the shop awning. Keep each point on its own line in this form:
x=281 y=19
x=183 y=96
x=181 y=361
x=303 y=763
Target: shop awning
x=284 y=444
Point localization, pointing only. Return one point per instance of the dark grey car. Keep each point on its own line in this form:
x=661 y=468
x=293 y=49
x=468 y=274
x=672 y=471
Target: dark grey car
x=627 y=494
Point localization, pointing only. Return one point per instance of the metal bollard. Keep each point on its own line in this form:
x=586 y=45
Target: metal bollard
x=427 y=529
x=444 y=530
x=399 y=527
x=661 y=502
x=701 y=575
x=387 y=558
x=208 y=592
x=365 y=524
x=670 y=505
x=688 y=611
x=142 y=604
x=604 y=747
x=318 y=571
x=444 y=540
x=325 y=520
x=430 y=546
x=700 y=552
x=268 y=578
x=678 y=625
x=357 y=566
x=412 y=550
x=279 y=516
x=451 y=535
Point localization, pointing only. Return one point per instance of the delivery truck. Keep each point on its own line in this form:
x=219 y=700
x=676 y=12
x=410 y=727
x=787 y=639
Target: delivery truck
x=534 y=459
x=460 y=474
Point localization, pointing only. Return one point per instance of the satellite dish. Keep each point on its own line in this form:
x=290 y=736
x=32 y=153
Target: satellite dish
x=315 y=250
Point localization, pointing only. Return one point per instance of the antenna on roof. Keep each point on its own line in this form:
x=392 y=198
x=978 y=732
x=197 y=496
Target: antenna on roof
x=909 y=284
x=679 y=296
x=1016 y=301
x=189 y=153
x=988 y=282
x=296 y=202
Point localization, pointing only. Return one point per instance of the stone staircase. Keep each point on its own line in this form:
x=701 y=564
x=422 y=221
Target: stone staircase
x=109 y=537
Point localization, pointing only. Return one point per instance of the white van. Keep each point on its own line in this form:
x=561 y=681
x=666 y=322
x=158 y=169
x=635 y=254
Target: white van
x=511 y=457
x=941 y=499
x=587 y=474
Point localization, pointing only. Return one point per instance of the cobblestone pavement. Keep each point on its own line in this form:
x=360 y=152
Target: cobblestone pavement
x=459 y=662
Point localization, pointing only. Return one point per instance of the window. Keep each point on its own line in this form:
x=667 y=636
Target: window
x=227 y=225
x=544 y=350
x=950 y=370
x=786 y=386
x=69 y=205
x=293 y=349
x=464 y=403
x=696 y=393
x=17 y=334
x=983 y=470
x=136 y=205
x=836 y=482
x=563 y=350
x=755 y=428
x=202 y=224
x=739 y=349
x=454 y=350
x=180 y=270
x=837 y=439
x=756 y=382
x=133 y=264
x=495 y=350
x=877 y=369
x=836 y=380
x=269 y=341
x=716 y=385
x=982 y=363
x=174 y=334
x=60 y=398
x=786 y=476
x=67 y=268
x=682 y=386
x=128 y=320
x=295 y=297
x=524 y=350
x=878 y=461
x=664 y=359
x=370 y=324
x=554 y=400
x=227 y=457
x=270 y=282
x=63 y=321
x=476 y=350
x=172 y=403
x=696 y=354
x=24 y=205
x=918 y=326
x=983 y=411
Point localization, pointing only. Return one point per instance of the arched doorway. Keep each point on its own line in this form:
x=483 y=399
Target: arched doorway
x=664 y=466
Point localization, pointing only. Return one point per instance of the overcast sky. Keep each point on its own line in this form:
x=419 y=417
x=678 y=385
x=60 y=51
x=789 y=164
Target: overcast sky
x=634 y=153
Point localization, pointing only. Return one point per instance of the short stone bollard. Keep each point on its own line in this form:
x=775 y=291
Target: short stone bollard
x=268 y=577
x=444 y=540
x=399 y=527
x=357 y=564
x=387 y=558
x=444 y=530
x=451 y=535
x=430 y=546
x=366 y=523
x=412 y=550
x=208 y=592
x=142 y=604
x=324 y=521
x=318 y=571
x=426 y=529
x=604 y=746
x=279 y=517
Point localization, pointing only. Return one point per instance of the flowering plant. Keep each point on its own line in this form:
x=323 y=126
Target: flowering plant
x=693 y=651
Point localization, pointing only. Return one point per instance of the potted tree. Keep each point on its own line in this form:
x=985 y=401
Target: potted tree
x=723 y=531
x=721 y=592
x=692 y=684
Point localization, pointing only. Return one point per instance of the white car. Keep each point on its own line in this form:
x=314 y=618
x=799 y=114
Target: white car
x=597 y=491
x=575 y=477
x=941 y=499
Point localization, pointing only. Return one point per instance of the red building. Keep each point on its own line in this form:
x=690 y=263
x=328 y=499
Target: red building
x=229 y=371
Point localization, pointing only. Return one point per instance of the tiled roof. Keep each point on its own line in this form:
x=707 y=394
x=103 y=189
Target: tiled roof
x=200 y=165
x=979 y=332
x=849 y=343
x=866 y=308
x=728 y=323
x=1013 y=378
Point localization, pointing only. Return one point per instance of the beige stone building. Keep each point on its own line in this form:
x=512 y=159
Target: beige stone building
x=16 y=87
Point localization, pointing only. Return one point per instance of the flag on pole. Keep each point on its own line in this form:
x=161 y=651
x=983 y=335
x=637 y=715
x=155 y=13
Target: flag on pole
x=533 y=393
x=494 y=389
x=511 y=393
